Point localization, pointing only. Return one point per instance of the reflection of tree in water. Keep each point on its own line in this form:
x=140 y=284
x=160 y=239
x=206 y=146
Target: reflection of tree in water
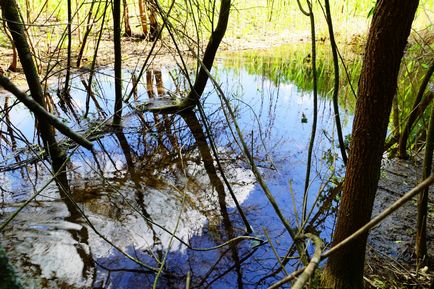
x=208 y=162
x=119 y=187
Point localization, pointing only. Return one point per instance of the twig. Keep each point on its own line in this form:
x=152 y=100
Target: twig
x=306 y=272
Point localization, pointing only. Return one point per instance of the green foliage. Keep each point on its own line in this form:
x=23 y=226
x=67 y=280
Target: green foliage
x=252 y=18
x=292 y=64
x=413 y=69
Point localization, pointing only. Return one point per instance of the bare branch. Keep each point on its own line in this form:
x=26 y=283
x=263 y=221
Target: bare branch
x=42 y=113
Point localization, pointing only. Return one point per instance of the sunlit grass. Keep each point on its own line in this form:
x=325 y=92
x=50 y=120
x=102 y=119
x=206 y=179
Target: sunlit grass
x=256 y=18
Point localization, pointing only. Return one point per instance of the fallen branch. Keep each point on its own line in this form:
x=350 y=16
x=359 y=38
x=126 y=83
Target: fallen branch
x=40 y=112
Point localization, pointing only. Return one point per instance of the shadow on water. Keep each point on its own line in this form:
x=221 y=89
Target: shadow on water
x=154 y=189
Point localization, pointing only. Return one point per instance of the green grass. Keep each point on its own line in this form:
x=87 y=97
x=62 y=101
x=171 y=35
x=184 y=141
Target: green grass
x=291 y=64
x=252 y=18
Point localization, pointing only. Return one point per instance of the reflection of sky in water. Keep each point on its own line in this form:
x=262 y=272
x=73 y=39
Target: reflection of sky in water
x=45 y=235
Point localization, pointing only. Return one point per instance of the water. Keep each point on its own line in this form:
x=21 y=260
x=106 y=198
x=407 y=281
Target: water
x=148 y=180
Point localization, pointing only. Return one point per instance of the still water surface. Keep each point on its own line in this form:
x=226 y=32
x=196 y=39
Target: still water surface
x=148 y=181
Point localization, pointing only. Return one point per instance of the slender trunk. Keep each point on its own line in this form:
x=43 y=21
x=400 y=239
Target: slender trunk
x=422 y=205
x=68 y=56
x=57 y=155
x=387 y=38
x=210 y=52
x=127 y=19
x=89 y=26
x=315 y=110
x=336 y=82
x=118 y=61
x=143 y=17
x=402 y=147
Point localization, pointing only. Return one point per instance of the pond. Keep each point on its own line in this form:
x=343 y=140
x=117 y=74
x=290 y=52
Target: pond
x=153 y=194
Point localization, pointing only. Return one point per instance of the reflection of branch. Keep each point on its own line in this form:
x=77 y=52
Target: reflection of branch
x=242 y=260
x=16 y=212
x=163 y=262
x=226 y=243
x=37 y=109
x=282 y=266
x=292 y=232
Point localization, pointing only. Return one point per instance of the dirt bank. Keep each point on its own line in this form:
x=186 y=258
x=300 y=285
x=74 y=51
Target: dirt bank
x=390 y=257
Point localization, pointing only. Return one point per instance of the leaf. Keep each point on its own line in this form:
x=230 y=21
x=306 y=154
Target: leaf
x=372 y=10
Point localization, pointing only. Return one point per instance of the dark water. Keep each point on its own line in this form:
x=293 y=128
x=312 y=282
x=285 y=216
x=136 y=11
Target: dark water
x=148 y=182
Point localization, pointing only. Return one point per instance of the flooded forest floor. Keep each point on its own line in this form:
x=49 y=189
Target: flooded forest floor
x=390 y=255
x=390 y=261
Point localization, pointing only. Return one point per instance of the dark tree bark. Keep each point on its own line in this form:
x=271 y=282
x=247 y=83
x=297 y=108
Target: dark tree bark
x=118 y=61
x=69 y=56
x=387 y=38
x=57 y=155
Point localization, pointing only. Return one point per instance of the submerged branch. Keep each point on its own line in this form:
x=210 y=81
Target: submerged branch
x=307 y=272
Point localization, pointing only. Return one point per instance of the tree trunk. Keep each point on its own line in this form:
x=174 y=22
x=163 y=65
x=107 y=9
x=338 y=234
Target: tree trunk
x=127 y=20
x=118 y=61
x=153 y=24
x=422 y=205
x=89 y=25
x=387 y=38
x=336 y=82
x=57 y=155
x=210 y=53
x=143 y=17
